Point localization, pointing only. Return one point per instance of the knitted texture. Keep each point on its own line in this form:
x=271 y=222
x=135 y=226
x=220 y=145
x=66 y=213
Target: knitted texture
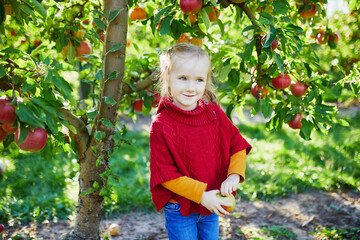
x=197 y=144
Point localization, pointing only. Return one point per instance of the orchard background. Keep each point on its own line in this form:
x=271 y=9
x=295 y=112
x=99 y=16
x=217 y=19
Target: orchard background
x=72 y=74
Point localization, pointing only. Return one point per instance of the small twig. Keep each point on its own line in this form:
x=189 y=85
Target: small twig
x=308 y=221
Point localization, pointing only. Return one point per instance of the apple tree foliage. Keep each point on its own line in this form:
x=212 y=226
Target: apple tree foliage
x=40 y=66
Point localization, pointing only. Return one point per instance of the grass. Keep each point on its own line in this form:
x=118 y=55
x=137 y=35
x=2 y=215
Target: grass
x=36 y=188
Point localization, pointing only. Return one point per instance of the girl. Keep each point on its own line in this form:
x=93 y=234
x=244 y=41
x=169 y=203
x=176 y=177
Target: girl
x=195 y=151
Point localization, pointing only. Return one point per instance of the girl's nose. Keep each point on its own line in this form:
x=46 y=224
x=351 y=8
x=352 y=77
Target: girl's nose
x=191 y=86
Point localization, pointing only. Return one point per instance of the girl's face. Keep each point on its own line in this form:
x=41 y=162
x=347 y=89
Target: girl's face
x=187 y=80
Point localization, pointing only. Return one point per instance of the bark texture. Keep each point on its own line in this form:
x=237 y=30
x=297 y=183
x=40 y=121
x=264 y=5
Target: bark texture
x=89 y=209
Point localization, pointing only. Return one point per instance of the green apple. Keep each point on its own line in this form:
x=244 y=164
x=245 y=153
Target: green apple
x=230 y=199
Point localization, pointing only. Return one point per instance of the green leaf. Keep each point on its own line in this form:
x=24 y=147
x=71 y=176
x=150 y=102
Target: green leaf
x=109 y=100
x=37 y=7
x=92 y=114
x=305 y=130
x=107 y=123
x=23 y=132
x=96 y=185
x=279 y=62
x=116 y=47
x=84 y=193
x=248 y=50
x=99 y=75
x=266 y=108
x=27 y=113
x=205 y=18
x=281 y=6
x=234 y=78
x=165 y=26
x=2 y=71
x=114 y=14
x=100 y=23
x=99 y=135
x=256 y=108
x=225 y=71
x=51 y=122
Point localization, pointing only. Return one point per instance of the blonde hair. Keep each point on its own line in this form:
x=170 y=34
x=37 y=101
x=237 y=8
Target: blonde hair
x=167 y=60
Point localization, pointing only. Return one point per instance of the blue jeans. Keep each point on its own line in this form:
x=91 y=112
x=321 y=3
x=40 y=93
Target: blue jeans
x=193 y=227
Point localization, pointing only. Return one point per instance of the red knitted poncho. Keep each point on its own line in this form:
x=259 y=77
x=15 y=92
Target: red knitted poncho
x=196 y=144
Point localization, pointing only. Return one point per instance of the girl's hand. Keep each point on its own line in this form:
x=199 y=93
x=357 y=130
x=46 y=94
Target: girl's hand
x=213 y=203
x=230 y=184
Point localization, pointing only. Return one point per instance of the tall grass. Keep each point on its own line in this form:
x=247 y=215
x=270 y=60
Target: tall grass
x=280 y=163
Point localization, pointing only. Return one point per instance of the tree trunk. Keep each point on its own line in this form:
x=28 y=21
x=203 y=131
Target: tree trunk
x=89 y=209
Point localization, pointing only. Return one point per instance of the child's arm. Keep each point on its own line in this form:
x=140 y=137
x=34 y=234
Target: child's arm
x=236 y=173
x=186 y=187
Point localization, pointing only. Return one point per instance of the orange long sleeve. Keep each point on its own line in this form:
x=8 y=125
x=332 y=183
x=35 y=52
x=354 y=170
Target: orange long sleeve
x=193 y=189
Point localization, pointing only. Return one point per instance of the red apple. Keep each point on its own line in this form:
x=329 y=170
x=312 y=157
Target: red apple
x=37 y=43
x=155 y=102
x=335 y=37
x=3 y=135
x=114 y=229
x=282 y=81
x=86 y=22
x=296 y=122
x=138 y=104
x=298 y=89
x=35 y=141
x=256 y=89
x=230 y=199
x=13 y=33
x=322 y=38
x=190 y=6
x=7 y=111
x=305 y=14
x=213 y=14
x=1 y=228
x=8 y=127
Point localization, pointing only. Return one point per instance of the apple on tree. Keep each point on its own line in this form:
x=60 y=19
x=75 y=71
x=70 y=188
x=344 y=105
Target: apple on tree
x=155 y=102
x=322 y=38
x=298 y=89
x=138 y=104
x=196 y=41
x=137 y=13
x=296 y=122
x=183 y=38
x=193 y=18
x=281 y=82
x=84 y=48
x=35 y=141
x=8 y=127
x=7 y=111
x=213 y=14
x=1 y=228
x=308 y=10
x=230 y=199
x=190 y=6
x=258 y=90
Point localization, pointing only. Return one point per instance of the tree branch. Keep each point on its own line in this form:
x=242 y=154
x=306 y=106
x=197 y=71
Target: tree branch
x=148 y=81
x=81 y=137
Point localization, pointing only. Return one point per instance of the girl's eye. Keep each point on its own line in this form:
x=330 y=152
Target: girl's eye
x=200 y=80
x=182 y=78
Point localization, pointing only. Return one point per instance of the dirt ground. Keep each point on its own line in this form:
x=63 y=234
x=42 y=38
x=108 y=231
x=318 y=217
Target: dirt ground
x=300 y=214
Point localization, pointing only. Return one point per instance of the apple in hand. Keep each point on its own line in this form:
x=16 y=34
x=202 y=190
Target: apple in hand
x=190 y=6
x=230 y=199
x=281 y=82
x=7 y=111
x=35 y=141
x=296 y=122
x=298 y=89
x=114 y=229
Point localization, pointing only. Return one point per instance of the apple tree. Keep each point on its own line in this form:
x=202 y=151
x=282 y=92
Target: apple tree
x=265 y=54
